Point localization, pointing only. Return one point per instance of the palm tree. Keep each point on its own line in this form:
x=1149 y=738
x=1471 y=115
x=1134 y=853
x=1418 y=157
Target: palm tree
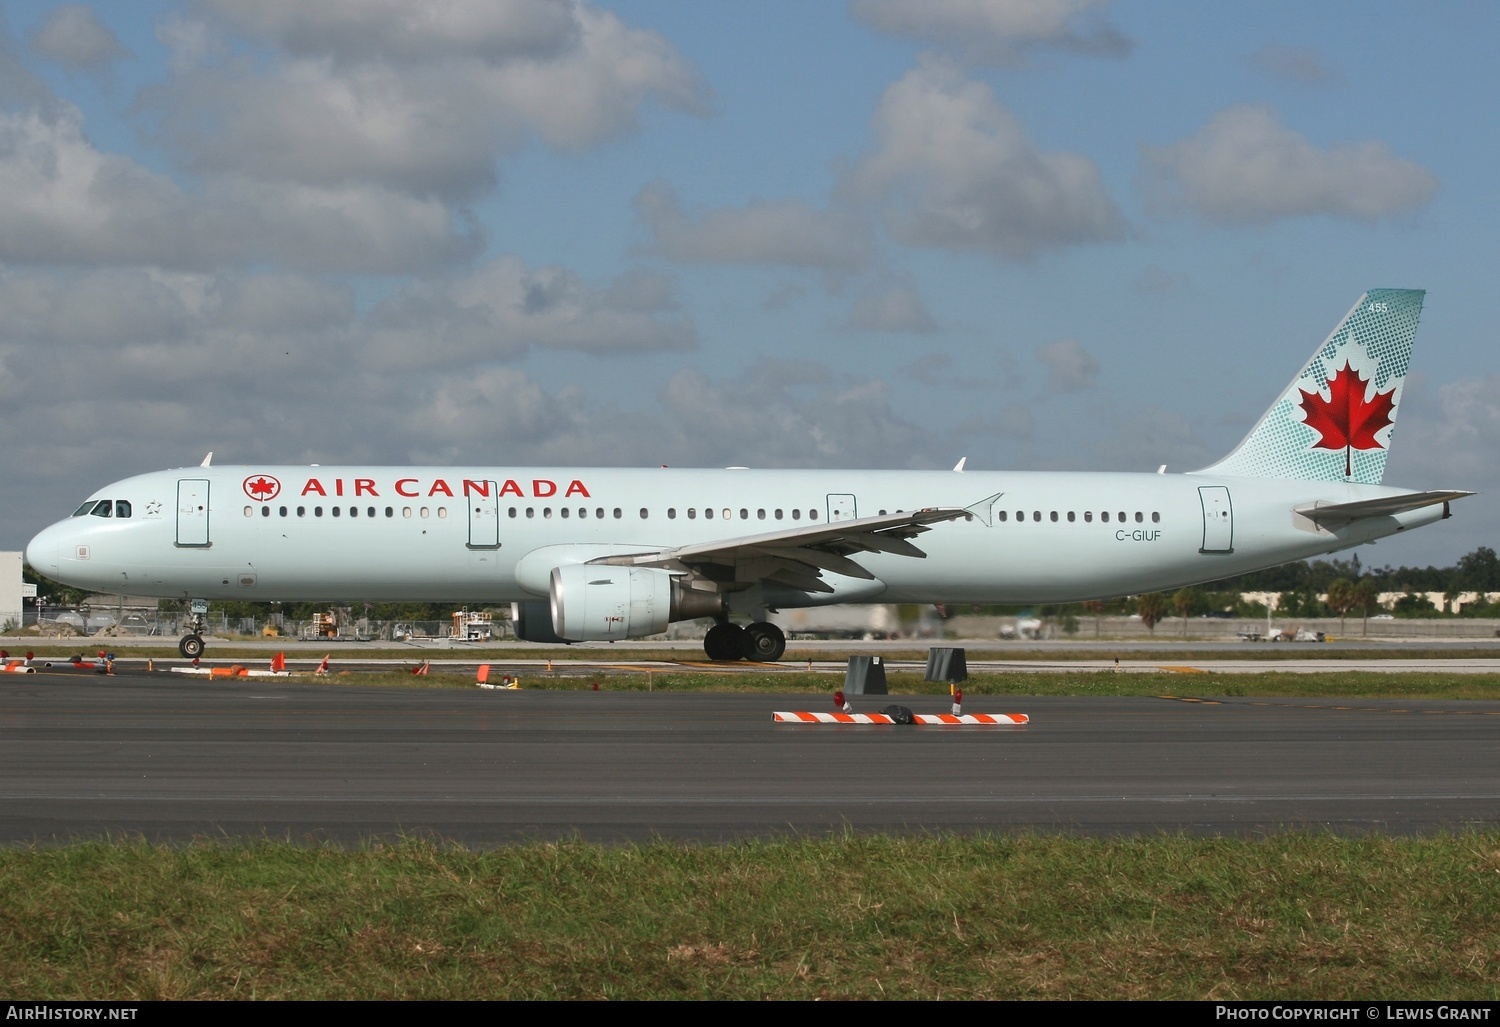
x=1096 y=607
x=1366 y=598
x=1341 y=598
x=1151 y=608
x=1185 y=599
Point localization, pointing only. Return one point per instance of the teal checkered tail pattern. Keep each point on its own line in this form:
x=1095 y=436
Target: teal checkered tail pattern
x=1334 y=421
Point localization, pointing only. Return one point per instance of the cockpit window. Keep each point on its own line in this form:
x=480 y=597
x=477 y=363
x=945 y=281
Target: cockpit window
x=103 y=508
x=122 y=508
x=83 y=510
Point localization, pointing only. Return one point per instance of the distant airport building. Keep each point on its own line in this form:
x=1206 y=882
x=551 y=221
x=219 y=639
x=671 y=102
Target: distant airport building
x=11 y=588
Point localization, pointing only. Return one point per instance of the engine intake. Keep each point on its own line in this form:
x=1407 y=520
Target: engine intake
x=602 y=602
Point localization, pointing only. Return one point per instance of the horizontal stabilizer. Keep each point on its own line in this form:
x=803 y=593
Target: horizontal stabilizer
x=1343 y=513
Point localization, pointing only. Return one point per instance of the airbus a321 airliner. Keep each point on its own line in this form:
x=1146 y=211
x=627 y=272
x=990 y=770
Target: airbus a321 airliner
x=602 y=554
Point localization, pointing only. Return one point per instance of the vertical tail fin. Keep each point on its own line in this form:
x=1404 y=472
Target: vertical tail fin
x=1334 y=421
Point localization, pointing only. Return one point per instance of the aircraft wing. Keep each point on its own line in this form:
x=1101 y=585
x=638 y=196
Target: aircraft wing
x=1338 y=514
x=797 y=557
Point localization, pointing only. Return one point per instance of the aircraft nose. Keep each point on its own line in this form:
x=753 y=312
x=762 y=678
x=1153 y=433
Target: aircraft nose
x=41 y=552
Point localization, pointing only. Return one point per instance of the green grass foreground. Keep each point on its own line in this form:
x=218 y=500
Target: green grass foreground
x=1289 y=916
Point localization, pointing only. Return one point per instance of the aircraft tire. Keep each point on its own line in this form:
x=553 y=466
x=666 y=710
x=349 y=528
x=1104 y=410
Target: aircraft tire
x=725 y=642
x=764 y=642
x=190 y=646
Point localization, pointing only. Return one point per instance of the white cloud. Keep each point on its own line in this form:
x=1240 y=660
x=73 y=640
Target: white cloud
x=892 y=305
x=1299 y=65
x=956 y=170
x=505 y=308
x=1458 y=440
x=997 y=372
x=1142 y=440
x=189 y=41
x=63 y=201
x=776 y=415
x=1011 y=422
x=74 y=37
x=414 y=98
x=1244 y=167
x=786 y=232
x=397 y=30
x=998 y=31
x=1070 y=367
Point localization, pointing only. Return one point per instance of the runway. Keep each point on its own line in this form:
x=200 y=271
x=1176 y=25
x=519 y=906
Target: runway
x=173 y=759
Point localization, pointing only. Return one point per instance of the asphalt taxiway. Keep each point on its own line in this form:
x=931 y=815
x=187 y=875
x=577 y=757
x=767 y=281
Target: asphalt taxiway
x=173 y=758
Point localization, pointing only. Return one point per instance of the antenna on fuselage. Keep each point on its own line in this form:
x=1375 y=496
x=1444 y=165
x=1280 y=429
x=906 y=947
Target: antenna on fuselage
x=959 y=467
x=208 y=459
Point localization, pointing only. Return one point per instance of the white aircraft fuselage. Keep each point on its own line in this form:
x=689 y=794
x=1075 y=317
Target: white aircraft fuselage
x=600 y=553
x=397 y=534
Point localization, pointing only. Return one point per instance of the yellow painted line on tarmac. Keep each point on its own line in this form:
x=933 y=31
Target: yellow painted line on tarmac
x=1183 y=670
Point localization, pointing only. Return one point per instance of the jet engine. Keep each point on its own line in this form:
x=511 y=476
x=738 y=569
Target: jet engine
x=602 y=602
x=533 y=623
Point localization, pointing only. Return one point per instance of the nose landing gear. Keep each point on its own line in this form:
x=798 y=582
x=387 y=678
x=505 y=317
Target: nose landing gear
x=191 y=645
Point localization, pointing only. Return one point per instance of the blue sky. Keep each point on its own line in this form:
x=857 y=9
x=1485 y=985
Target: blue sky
x=1035 y=233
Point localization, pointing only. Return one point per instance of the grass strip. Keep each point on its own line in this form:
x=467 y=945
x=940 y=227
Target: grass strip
x=1334 y=684
x=1288 y=916
x=1127 y=652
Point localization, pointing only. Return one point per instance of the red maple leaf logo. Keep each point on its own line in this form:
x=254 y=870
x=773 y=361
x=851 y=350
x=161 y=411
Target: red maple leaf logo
x=1346 y=420
x=262 y=487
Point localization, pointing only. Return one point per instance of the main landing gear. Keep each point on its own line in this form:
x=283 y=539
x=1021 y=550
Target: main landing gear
x=763 y=642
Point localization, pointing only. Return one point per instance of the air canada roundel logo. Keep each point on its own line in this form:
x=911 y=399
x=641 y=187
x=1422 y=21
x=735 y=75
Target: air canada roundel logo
x=262 y=487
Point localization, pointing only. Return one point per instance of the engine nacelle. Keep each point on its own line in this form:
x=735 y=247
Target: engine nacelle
x=532 y=622
x=602 y=602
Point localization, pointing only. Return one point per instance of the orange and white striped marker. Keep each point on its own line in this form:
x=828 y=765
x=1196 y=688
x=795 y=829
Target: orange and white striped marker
x=967 y=719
